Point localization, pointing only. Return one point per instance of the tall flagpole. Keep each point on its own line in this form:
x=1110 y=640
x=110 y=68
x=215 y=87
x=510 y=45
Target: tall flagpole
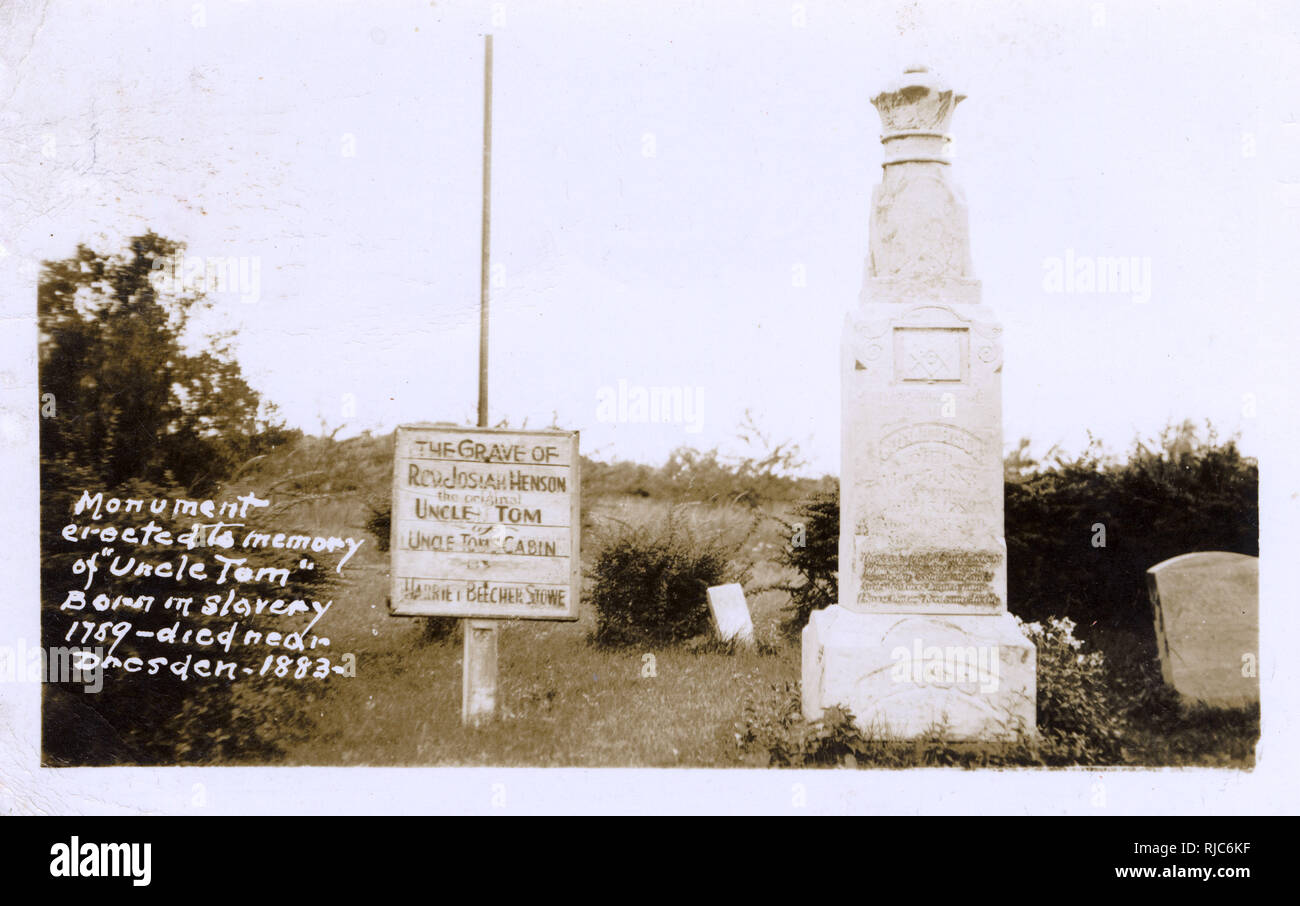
x=487 y=221
x=478 y=700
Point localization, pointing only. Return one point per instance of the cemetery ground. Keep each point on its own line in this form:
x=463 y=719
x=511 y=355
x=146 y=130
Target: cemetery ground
x=561 y=700
x=564 y=701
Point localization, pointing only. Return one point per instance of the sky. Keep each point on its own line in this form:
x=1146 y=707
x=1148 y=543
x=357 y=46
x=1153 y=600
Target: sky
x=680 y=199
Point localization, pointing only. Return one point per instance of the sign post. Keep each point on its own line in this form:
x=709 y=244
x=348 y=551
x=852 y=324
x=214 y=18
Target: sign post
x=478 y=699
x=485 y=527
x=479 y=682
x=484 y=242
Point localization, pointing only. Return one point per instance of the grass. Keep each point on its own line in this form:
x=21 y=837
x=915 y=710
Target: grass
x=560 y=700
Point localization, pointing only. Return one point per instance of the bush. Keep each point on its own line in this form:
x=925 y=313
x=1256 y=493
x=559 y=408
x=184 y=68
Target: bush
x=773 y=733
x=813 y=552
x=650 y=581
x=1079 y=719
x=379 y=523
x=1180 y=495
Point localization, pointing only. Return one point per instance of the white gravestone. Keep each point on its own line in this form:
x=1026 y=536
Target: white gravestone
x=921 y=637
x=731 y=613
x=1206 y=610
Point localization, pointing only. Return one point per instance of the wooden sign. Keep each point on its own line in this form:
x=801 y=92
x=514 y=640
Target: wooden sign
x=485 y=523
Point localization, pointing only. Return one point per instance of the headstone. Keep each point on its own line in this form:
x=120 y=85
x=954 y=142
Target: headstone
x=1206 y=610
x=920 y=638
x=731 y=613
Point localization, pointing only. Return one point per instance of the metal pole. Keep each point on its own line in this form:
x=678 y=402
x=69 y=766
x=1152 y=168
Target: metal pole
x=478 y=701
x=487 y=226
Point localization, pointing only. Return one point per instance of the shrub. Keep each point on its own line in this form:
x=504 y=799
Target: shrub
x=379 y=522
x=774 y=733
x=649 y=581
x=1182 y=494
x=813 y=553
x=1079 y=719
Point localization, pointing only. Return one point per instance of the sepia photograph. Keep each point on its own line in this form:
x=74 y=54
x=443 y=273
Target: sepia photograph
x=862 y=408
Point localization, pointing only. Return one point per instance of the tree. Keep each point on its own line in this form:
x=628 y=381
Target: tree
x=137 y=403
x=134 y=394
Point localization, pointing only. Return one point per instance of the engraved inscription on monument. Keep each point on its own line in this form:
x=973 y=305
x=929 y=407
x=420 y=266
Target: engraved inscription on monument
x=921 y=579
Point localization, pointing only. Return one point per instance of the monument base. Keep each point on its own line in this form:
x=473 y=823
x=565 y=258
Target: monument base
x=969 y=676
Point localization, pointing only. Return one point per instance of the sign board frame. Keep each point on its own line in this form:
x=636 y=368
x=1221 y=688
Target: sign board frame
x=487 y=610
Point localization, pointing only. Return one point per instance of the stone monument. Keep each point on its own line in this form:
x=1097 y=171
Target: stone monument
x=921 y=638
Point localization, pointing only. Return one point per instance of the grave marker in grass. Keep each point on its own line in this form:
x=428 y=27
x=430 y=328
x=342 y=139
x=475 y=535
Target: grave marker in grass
x=1206 y=611
x=730 y=613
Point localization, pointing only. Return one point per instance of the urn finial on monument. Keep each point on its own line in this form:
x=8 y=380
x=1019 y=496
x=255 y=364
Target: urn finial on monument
x=916 y=113
x=920 y=236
